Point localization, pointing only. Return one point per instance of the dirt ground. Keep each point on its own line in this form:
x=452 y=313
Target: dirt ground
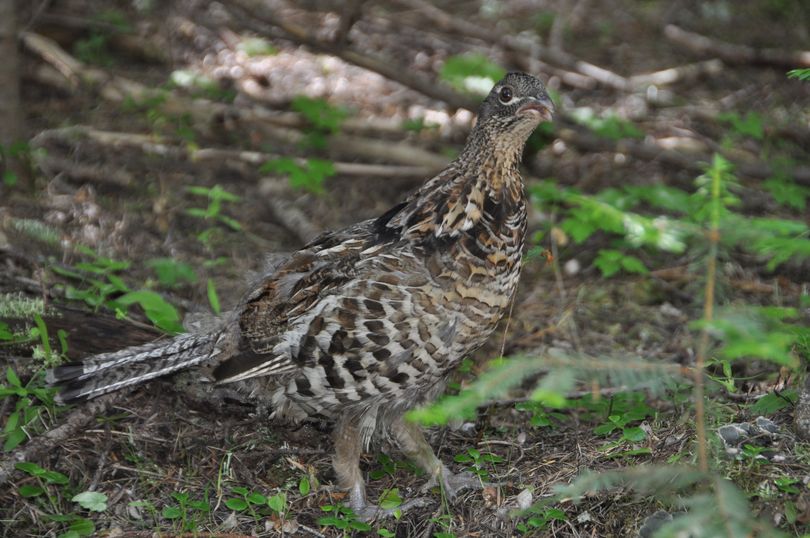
x=126 y=202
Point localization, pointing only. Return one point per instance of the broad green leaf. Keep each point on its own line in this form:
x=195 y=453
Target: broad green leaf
x=91 y=500
x=236 y=504
x=157 y=309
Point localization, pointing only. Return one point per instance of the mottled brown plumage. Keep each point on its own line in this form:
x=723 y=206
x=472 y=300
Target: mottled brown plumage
x=365 y=323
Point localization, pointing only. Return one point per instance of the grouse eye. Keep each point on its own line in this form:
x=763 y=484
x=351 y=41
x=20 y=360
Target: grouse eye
x=505 y=94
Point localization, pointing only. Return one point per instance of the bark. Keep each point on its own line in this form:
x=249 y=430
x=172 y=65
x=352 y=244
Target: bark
x=11 y=116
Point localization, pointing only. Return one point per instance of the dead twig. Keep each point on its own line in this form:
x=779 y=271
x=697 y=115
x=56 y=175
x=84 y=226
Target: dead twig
x=210 y=113
x=733 y=53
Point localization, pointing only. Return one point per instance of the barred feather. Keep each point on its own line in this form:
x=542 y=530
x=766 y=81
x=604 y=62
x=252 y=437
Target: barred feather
x=109 y=372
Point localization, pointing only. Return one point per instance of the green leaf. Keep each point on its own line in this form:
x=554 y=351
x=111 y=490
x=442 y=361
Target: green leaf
x=54 y=477
x=213 y=298
x=29 y=490
x=256 y=498
x=13 y=421
x=801 y=74
x=157 y=309
x=91 y=500
x=30 y=468
x=771 y=403
x=631 y=264
x=83 y=527
x=277 y=503
x=172 y=273
x=787 y=193
x=304 y=485
x=634 y=434
x=473 y=73
x=171 y=512
x=322 y=115
x=608 y=262
x=236 y=504
x=791 y=512
x=360 y=526
x=10 y=178
x=750 y=125
x=197 y=212
x=12 y=378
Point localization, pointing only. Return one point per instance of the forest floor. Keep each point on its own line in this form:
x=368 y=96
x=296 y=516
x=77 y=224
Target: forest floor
x=168 y=462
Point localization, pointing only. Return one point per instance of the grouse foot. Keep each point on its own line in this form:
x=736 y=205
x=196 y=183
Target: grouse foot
x=453 y=484
x=371 y=512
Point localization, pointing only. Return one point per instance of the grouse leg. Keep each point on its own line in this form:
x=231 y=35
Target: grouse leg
x=348 y=447
x=411 y=441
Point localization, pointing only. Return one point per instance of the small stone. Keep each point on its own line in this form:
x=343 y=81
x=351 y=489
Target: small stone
x=767 y=425
x=524 y=499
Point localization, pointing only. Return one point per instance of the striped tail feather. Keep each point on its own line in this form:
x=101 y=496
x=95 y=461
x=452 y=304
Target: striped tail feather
x=108 y=372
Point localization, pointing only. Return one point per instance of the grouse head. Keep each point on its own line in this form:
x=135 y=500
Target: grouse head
x=515 y=106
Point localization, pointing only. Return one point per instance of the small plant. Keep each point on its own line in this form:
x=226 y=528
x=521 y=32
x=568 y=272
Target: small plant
x=540 y=416
x=257 y=504
x=309 y=175
x=478 y=461
x=22 y=153
x=47 y=493
x=539 y=517
x=621 y=411
x=188 y=513
x=102 y=286
x=324 y=119
x=800 y=74
x=342 y=518
x=22 y=419
x=751 y=125
x=217 y=197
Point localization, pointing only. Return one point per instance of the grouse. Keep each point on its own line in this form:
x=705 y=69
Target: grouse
x=365 y=323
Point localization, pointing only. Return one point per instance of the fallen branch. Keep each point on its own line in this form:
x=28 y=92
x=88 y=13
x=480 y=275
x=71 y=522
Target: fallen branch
x=211 y=114
x=87 y=172
x=651 y=151
x=150 y=145
x=733 y=53
x=677 y=74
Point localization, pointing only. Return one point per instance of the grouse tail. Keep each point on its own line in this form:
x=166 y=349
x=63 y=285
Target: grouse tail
x=108 y=372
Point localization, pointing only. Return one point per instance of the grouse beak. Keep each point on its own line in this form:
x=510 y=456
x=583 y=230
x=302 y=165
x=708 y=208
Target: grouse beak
x=541 y=107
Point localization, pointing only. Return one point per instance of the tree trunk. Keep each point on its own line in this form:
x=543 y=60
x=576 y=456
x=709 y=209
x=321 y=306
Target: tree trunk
x=11 y=115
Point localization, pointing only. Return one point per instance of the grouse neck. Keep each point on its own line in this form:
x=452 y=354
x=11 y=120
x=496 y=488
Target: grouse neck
x=493 y=156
